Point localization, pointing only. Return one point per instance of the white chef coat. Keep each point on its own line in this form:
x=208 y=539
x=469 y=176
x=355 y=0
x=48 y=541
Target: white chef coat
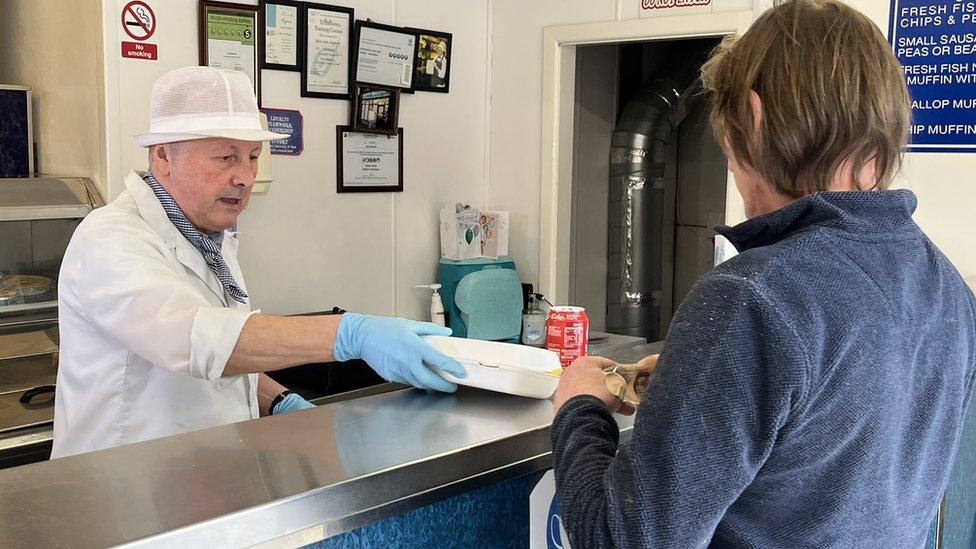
x=146 y=330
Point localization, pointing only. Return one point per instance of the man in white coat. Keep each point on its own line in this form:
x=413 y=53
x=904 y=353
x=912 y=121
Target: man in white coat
x=157 y=332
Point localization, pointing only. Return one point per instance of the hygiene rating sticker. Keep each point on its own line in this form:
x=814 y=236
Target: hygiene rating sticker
x=935 y=41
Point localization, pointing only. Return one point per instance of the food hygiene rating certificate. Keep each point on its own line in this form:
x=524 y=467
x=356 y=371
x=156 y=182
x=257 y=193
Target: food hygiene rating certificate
x=370 y=160
x=385 y=57
x=327 y=43
x=230 y=43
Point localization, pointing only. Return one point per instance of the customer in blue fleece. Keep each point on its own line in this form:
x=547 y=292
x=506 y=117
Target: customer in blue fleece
x=811 y=390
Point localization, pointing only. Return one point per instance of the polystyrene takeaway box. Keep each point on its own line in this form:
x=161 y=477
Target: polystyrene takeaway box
x=503 y=367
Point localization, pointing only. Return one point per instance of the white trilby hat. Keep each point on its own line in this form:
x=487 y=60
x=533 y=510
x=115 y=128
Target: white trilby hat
x=200 y=102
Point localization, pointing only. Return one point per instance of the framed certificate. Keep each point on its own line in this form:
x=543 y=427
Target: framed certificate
x=368 y=162
x=385 y=55
x=228 y=39
x=326 y=50
x=280 y=21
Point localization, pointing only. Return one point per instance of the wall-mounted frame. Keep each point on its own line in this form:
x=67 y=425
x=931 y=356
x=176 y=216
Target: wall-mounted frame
x=385 y=55
x=229 y=38
x=326 y=60
x=368 y=162
x=375 y=109
x=280 y=24
x=17 y=137
x=432 y=70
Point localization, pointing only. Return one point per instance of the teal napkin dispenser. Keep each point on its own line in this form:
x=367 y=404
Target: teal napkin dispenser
x=482 y=298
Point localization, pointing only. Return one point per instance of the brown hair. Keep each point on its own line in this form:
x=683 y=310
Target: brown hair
x=831 y=88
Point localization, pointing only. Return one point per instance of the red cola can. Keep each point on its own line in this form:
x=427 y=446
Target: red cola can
x=567 y=331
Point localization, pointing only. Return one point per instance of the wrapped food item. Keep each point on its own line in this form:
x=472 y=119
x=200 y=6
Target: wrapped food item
x=33 y=285
x=10 y=293
x=628 y=381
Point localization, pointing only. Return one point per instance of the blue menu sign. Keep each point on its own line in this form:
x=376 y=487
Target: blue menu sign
x=935 y=41
x=289 y=122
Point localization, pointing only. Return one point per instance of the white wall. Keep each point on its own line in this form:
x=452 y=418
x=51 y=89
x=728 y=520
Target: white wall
x=516 y=112
x=945 y=183
x=64 y=71
x=304 y=247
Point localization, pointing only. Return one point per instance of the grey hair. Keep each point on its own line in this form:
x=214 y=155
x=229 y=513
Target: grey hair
x=174 y=148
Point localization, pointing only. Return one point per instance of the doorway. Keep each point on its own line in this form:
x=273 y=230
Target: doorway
x=560 y=267
x=648 y=183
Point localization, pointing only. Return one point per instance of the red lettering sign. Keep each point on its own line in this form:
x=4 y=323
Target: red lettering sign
x=664 y=4
x=137 y=50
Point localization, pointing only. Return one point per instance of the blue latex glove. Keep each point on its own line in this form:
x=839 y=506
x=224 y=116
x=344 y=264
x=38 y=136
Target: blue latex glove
x=392 y=347
x=292 y=402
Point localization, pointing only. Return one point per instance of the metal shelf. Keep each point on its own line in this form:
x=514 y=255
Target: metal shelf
x=28 y=307
x=36 y=198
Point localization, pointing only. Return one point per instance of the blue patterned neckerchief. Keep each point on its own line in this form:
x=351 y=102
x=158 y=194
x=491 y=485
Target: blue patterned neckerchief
x=208 y=244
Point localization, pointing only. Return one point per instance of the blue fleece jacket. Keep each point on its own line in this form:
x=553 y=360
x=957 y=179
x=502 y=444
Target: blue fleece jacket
x=811 y=393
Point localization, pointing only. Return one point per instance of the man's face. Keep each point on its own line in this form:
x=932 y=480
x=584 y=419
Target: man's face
x=211 y=179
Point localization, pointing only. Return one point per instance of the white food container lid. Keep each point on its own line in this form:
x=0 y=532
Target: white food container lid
x=503 y=367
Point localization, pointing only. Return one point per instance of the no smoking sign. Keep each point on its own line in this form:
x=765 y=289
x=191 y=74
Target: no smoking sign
x=139 y=22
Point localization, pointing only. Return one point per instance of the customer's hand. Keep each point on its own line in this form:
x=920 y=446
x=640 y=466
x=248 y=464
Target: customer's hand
x=392 y=347
x=292 y=402
x=586 y=376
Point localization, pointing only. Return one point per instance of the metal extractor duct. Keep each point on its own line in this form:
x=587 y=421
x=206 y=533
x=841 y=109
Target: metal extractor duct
x=638 y=162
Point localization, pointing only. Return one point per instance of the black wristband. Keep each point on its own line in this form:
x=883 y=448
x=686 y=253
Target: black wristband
x=277 y=400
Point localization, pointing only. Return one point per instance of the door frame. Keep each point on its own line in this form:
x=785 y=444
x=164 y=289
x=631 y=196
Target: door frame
x=558 y=99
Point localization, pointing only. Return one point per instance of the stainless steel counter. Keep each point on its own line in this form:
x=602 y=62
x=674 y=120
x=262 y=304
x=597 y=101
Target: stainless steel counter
x=287 y=480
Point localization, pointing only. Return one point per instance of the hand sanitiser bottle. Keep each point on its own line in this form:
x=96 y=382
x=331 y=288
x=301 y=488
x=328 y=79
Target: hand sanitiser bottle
x=436 y=305
x=533 y=324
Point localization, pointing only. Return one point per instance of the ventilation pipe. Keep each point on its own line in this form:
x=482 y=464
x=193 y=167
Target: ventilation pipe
x=638 y=157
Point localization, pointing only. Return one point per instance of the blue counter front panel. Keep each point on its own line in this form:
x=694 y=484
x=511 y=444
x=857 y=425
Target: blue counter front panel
x=494 y=516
